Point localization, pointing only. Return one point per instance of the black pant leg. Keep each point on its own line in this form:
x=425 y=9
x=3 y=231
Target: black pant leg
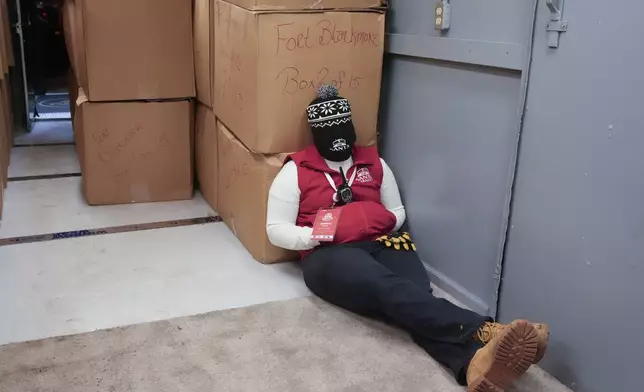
x=352 y=278
x=343 y=276
x=456 y=357
x=405 y=264
x=409 y=266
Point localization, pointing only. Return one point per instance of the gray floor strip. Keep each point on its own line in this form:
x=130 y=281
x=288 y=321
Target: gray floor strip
x=108 y=230
x=43 y=177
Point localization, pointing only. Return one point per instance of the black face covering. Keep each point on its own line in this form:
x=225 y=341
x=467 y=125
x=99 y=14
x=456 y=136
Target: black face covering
x=335 y=143
x=329 y=116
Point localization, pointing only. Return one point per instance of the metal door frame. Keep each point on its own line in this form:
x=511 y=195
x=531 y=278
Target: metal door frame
x=507 y=213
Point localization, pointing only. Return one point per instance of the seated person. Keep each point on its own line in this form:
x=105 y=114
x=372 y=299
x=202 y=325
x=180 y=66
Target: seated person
x=365 y=266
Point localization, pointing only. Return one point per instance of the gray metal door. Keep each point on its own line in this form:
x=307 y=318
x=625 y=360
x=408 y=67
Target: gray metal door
x=575 y=252
x=450 y=119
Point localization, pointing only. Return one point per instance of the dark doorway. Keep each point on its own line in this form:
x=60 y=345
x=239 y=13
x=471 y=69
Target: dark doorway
x=46 y=61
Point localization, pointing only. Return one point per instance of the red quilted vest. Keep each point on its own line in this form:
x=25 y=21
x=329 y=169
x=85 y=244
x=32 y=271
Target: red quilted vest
x=364 y=219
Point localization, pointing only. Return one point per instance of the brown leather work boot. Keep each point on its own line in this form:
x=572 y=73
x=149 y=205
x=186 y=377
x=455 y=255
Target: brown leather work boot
x=504 y=359
x=490 y=330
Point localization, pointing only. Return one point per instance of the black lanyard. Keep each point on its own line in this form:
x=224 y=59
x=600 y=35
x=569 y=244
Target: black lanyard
x=343 y=194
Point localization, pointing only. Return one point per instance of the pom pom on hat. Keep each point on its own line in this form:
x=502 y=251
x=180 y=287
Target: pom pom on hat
x=327 y=91
x=328 y=109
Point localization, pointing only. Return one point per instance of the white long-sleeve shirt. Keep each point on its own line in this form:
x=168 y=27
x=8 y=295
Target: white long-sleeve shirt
x=284 y=205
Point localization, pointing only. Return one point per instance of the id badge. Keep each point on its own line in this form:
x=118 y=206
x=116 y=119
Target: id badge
x=326 y=224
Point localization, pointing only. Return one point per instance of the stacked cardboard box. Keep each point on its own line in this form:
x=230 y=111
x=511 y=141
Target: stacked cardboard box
x=6 y=115
x=269 y=64
x=133 y=117
x=206 y=156
x=245 y=178
x=259 y=64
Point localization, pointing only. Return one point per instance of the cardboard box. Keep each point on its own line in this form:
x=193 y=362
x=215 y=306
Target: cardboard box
x=206 y=152
x=135 y=151
x=6 y=112
x=4 y=40
x=6 y=142
x=5 y=149
x=3 y=176
x=8 y=105
x=204 y=35
x=4 y=48
x=5 y=145
x=131 y=50
x=269 y=65
x=6 y=24
x=1 y=193
x=305 y=4
x=73 y=96
x=73 y=38
x=72 y=87
x=244 y=181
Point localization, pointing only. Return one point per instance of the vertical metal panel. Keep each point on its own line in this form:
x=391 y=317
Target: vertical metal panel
x=449 y=130
x=575 y=251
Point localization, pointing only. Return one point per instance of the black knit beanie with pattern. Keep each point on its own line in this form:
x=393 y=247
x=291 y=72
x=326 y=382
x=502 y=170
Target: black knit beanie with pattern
x=329 y=117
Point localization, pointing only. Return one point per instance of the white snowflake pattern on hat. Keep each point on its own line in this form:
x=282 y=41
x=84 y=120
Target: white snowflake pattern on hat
x=327 y=108
x=312 y=111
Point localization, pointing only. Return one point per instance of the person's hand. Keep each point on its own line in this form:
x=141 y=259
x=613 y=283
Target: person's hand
x=398 y=241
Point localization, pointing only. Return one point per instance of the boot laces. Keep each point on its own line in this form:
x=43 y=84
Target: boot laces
x=488 y=331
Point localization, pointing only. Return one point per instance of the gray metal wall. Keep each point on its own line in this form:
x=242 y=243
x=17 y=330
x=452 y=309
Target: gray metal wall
x=449 y=129
x=575 y=252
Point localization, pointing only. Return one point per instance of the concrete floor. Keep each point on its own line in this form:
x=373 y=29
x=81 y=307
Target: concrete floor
x=45 y=132
x=300 y=345
x=70 y=286
x=76 y=285
x=50 y=160
x=83 y=284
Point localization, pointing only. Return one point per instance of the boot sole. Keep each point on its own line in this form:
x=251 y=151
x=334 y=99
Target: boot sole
x=514 y=354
